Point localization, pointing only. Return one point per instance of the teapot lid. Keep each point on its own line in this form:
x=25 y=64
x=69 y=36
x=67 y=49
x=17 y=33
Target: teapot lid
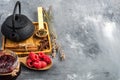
x=20 y=21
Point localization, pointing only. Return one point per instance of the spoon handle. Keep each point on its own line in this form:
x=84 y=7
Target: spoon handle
x=23 y=60
x=40 y=18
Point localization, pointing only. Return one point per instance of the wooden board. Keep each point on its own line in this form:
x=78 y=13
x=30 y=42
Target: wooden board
x=31 y=44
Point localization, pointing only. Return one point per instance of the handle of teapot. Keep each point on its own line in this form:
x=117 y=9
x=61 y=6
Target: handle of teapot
x=14 y=13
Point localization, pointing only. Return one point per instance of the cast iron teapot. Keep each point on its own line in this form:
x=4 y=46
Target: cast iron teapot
x=17 y=27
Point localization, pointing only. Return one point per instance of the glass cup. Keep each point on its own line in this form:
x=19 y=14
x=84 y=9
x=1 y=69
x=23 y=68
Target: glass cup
x=9 y=65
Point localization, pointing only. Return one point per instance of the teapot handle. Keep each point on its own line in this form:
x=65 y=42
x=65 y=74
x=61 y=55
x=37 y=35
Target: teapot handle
x=14 y=13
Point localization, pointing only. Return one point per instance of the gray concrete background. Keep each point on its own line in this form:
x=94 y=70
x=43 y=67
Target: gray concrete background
x=89 y=33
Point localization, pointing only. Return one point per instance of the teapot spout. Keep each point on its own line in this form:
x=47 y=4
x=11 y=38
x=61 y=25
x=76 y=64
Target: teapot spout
x=14 y=36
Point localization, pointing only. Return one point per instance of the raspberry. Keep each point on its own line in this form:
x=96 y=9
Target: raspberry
x=41 y=55
x=37 y=64
x=29 y=62
x=33 y=56
x=43 y=64
x=47 y=59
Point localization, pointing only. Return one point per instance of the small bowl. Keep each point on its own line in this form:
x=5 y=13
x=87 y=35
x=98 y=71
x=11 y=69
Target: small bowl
x=41 y=33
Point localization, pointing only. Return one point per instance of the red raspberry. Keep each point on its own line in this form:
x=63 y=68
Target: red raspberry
x=37 y=64
x=47 y=59
x=41 y=55
x=43 y=64
x=29 y=62
x=33 y=56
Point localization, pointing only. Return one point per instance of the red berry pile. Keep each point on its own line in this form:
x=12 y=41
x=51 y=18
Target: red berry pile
x=38 y=61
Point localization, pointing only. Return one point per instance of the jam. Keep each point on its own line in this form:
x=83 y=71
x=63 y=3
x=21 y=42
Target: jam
x=6 y=63
x=9 y=65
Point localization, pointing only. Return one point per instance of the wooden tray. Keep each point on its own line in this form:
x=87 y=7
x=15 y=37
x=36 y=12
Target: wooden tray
x=31 y=44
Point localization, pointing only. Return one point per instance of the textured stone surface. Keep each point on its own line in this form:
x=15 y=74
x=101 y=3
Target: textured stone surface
x=89 y=33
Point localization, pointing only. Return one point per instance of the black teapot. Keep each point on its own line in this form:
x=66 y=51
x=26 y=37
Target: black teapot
x=17 y=27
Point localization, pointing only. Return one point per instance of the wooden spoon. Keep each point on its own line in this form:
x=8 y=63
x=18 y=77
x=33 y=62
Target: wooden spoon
x=24 y=59
x=41 y=31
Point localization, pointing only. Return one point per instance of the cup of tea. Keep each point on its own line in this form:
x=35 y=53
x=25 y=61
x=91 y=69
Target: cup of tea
x=9 y=65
